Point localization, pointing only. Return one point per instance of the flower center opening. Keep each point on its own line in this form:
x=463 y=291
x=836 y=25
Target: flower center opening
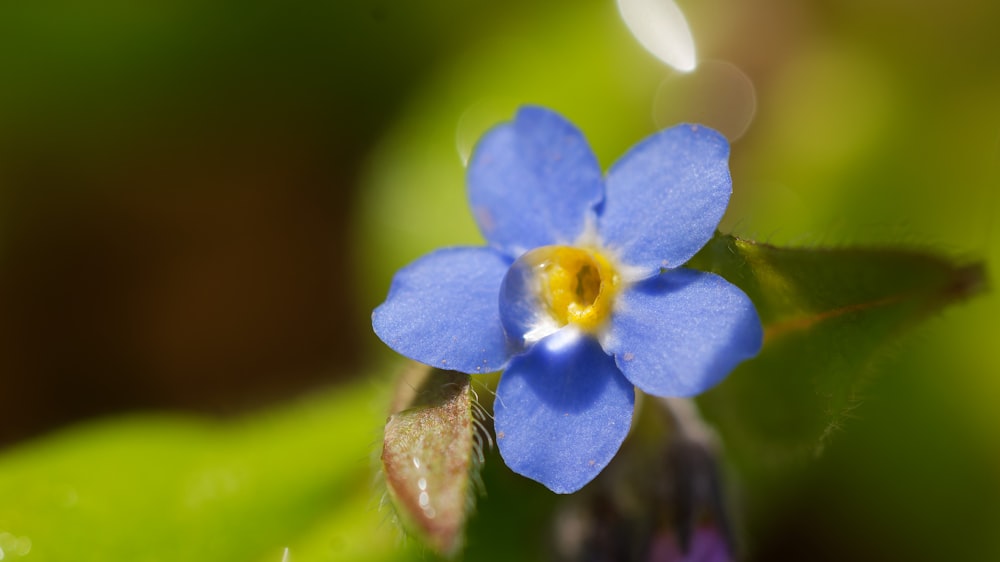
x=576 y=285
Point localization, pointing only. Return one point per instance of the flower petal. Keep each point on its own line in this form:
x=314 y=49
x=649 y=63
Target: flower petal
x=562 y=411
x=442 y=310
x=665 y=197
x=533 y=182
x=681 y=332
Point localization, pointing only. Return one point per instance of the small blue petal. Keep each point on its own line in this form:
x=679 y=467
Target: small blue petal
x=442 y=311
x=681 y=332
x=533 y=182
x=665 y=197
x=562 y=411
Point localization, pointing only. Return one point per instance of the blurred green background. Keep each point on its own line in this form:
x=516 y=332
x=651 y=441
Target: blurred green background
x=200 y=203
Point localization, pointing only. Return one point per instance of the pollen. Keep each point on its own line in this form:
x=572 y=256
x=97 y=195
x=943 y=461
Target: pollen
x=577 y=285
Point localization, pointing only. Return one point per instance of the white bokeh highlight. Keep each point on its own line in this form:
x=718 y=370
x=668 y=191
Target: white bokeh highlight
x=660 y=26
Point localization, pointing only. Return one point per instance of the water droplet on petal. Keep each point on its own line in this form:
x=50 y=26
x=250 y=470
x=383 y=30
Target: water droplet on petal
x=523 y=312
x=552 y=286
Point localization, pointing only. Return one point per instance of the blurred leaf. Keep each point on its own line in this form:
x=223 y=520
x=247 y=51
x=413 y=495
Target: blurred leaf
x=829 y=315
x=430 y=454
x=182 y=488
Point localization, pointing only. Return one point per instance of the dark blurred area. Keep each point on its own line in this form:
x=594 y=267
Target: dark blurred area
x=175 y=197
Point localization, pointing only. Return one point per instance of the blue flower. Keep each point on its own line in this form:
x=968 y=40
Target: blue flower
x=579 y=296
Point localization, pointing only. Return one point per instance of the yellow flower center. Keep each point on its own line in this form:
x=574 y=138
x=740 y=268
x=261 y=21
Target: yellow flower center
x=577 y=285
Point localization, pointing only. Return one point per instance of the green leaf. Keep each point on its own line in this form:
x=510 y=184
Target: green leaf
x=431 y=454
x=829 y=315
x=172 y=487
